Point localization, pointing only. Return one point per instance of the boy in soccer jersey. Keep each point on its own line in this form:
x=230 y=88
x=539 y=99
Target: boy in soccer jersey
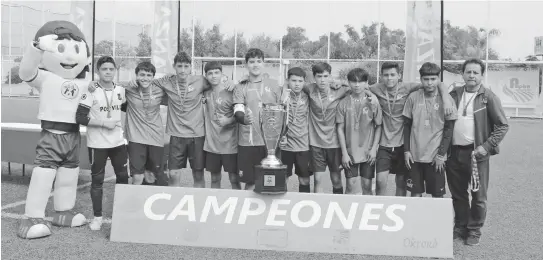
x=295 y=144
x=100 y=111
x=144 y=128
x=221 y=130
x=323 y=140
x=359 y=129
x=248 y=98
x=392 y=95
x=428 y=134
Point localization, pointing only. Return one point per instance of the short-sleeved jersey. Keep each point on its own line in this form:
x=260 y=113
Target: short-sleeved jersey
x=322 y=116
x=392 y=104
x=104 y=104
x=185 y=111
x=144 y=123
x=360 y=117
x=252 y=95
x=298 y=124
x=59 y=97
x=428 y=117
x=219 y=139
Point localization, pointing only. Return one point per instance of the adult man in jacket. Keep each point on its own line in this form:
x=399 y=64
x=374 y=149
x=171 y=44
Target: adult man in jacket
x=480 y=128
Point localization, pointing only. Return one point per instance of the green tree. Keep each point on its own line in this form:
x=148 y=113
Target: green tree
x=144 y=48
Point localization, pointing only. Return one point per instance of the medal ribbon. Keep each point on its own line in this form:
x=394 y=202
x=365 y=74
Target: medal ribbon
x=146 y=107
x=393 y=102
x=464 y=113
x=432 y=101
x=110 y=100
x=182 y=99
x=322 y=103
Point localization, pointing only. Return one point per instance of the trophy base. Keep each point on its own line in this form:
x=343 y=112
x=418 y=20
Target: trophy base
x=270 y=180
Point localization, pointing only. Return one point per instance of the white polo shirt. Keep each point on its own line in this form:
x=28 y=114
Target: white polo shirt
x=104 y=104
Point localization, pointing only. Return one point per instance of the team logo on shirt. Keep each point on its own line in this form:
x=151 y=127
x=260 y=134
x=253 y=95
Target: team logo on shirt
x=190 y=88
x=436 y=106
x=219 y=100
x=267 y=89
x=119 y=96
x=331 y=97
x=84 y=96
x=365 y=110
x=69 y=90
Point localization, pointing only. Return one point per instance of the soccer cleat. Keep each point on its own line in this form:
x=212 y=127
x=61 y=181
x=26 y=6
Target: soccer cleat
x=472 y=240
x=96 y=224
x=458 y=235
x=34 y=228
x=68 y=218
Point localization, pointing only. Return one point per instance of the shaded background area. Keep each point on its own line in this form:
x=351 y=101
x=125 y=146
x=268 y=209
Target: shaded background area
x=336 y=33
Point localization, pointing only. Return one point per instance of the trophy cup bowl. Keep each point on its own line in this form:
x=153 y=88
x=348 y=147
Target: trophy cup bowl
x=271 y=174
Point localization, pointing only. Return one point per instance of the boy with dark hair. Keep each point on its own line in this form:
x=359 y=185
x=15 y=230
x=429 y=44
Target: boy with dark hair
x=359 y=129
x=392 y=95
x=428 y=134
x=248 y=98
x=295 y=144
x=323 y=140
x=144 y=128
x=221 y=132
x=100 y=111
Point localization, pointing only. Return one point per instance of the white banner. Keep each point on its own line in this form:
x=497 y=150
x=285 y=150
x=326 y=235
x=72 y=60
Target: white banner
x=423 y=42
x=164 y=39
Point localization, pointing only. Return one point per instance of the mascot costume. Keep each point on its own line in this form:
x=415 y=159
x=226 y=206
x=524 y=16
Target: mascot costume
x=56 y=64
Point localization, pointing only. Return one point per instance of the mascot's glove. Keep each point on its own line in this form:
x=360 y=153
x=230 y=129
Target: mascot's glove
x=47 y=43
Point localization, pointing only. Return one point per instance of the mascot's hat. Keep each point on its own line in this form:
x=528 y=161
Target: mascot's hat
x=60 y=27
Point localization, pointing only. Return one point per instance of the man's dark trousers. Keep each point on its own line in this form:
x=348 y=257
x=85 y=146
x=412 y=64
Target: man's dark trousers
x=459 y=172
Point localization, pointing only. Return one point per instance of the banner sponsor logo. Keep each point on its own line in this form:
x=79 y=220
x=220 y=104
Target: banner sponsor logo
x=290 y=222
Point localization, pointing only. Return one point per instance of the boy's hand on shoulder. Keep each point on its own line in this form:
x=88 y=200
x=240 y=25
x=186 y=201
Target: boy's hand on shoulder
x=93 y=85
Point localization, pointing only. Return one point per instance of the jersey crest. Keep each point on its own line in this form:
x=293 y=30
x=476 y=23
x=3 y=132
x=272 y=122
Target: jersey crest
x=69 y=90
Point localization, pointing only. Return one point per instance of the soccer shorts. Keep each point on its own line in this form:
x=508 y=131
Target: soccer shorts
x=322 y=157
x=364 y=170
x=58 y=150
x=392 y=160
x=181 y=149
x=215 y=162
x=298 y=160
x=423 y=177
x=248 y=158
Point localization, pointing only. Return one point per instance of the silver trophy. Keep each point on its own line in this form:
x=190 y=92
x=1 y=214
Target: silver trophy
x=271 y=174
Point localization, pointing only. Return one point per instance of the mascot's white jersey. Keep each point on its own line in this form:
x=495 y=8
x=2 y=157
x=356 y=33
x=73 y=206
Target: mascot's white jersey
x=59 y=97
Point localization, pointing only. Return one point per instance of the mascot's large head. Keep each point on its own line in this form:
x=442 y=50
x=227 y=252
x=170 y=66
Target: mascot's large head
x=72 y=57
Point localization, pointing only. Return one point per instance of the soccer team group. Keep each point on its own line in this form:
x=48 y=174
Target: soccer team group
x=417 y=131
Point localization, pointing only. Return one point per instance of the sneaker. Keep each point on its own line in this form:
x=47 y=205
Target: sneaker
x=472 y=240
x=96 y=223
x=459 y=235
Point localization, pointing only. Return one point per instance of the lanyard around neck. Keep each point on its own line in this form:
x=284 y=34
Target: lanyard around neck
x=394 y=101
x=181 y=98
x=322 y=102
x=108 y=101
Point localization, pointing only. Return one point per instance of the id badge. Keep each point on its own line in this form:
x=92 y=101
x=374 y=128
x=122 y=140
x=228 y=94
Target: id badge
x=426 y=122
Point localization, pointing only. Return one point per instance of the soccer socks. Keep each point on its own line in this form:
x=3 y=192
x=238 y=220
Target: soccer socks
x=41 y=183
x=304 y=188
x=338 y=190
x=64 y=198
x=65 y=188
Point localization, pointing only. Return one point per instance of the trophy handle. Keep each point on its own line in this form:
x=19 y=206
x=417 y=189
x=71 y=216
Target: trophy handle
x=261 y=128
